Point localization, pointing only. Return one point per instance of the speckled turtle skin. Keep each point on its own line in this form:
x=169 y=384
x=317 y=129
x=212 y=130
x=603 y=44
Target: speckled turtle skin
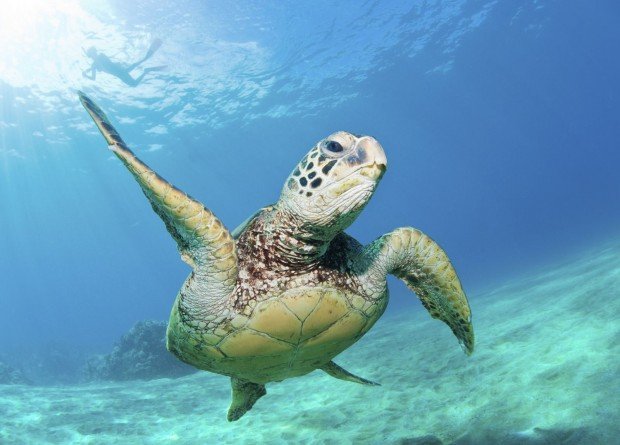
x=289 y=290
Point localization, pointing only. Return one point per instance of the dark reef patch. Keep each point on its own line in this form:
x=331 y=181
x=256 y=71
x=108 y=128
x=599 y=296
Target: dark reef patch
x=12 y=376
x=139 y=354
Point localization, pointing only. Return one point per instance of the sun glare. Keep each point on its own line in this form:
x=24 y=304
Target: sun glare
x=20 y=18
x=36 y=39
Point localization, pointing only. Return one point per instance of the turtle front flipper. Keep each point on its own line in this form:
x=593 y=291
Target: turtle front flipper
x=244 y=396
x=204 y=242
x=425 y=268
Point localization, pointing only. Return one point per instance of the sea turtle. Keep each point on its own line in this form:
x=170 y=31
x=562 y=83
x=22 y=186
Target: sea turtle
x=288 y=290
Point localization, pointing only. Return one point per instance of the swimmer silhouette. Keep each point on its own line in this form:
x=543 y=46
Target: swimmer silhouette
x=102 y=63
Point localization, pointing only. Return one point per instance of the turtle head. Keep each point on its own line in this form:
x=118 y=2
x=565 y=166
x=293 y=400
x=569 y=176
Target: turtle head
x=331 y=185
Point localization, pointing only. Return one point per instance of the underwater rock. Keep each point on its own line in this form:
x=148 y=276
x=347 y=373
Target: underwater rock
x=12 y=376
x=140 y=354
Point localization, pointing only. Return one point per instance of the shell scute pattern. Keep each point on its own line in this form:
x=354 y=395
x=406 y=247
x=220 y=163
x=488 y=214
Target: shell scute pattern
x=317 y=316
x=347 y=327
x=295 y=318
x=330 y=308
x=290 y=320
x=300 y=307
x=249 y=343
x=274 y=319
x=286 y=335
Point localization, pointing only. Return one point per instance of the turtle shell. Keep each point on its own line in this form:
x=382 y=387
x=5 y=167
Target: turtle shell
x=285 y=336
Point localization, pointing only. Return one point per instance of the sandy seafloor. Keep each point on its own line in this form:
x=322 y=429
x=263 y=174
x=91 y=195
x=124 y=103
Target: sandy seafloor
x=546 y=371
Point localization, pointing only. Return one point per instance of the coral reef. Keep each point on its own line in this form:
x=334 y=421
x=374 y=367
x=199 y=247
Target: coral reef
x=12 y=376
x=140 y=354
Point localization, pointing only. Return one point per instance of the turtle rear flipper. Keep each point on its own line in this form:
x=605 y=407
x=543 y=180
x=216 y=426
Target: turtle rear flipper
x=340 y=373
x=244 y=396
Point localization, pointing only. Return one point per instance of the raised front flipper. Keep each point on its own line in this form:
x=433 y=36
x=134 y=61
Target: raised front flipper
x=203 y=241
x=425 y=268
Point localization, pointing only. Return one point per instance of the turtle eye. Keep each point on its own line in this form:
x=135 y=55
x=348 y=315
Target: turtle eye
x=332 y=147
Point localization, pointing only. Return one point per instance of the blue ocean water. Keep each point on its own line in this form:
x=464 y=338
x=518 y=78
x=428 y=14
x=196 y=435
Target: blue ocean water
x=500 y=121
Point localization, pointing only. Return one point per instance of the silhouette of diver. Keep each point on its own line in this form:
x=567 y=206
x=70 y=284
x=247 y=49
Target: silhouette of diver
x=102 y=63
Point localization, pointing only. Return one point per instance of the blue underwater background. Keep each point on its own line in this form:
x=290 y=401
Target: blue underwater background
x=500 y=121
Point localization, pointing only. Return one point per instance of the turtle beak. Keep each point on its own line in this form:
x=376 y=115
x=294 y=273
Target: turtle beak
x=372 y=157
x=373 y=172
